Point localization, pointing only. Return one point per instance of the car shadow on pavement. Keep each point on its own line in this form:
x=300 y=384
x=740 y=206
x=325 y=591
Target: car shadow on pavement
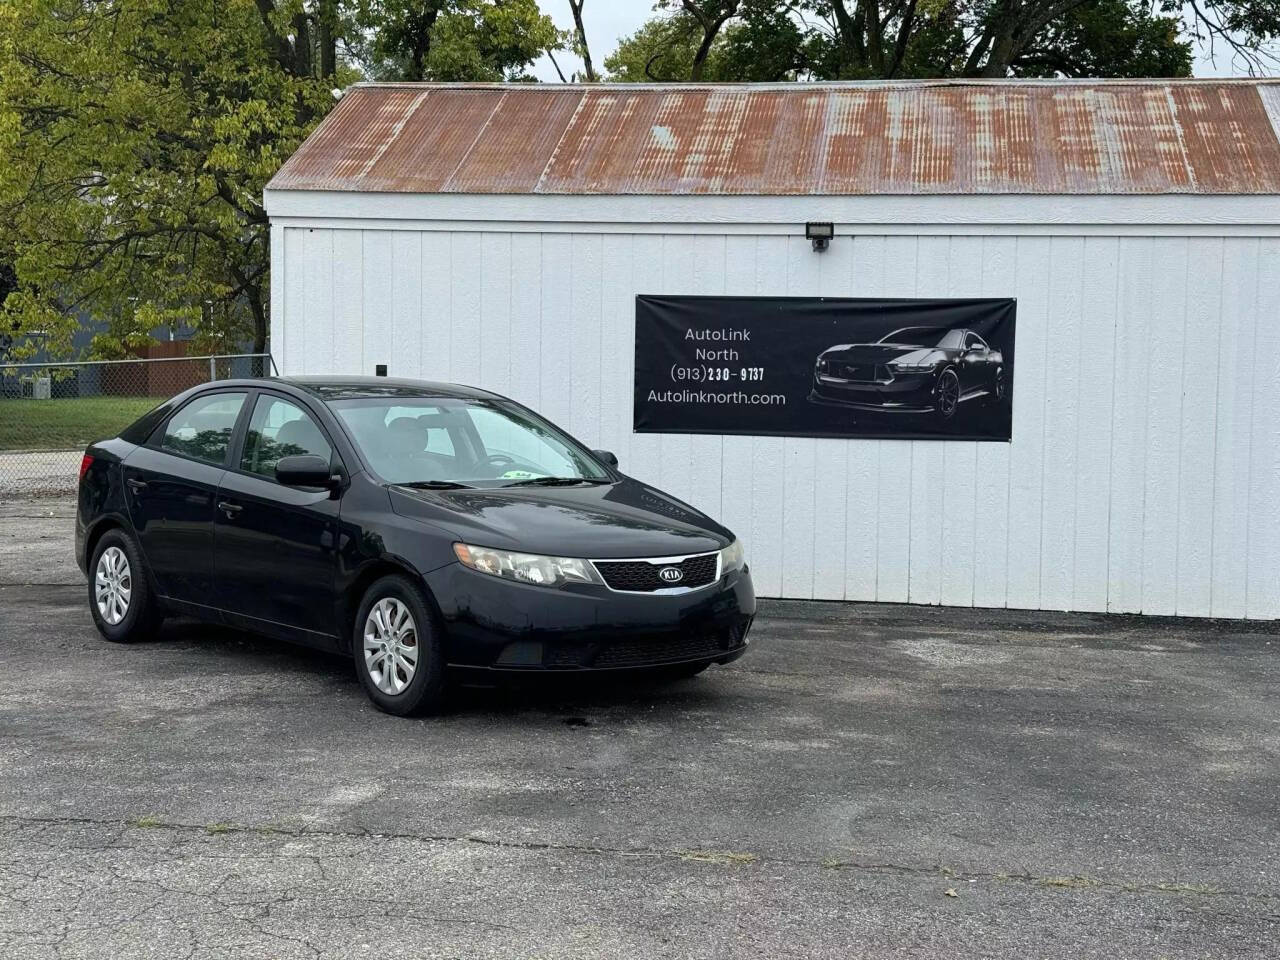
x=576 y=694
x=469 y=694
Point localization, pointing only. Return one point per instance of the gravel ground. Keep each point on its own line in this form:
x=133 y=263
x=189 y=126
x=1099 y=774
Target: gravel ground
x=870 y=780
x=52 y=473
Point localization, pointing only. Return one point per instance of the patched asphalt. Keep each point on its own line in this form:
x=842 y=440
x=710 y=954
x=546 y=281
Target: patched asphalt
x=870 y=781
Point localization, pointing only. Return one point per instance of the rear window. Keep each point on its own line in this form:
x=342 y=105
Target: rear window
x=145 y=425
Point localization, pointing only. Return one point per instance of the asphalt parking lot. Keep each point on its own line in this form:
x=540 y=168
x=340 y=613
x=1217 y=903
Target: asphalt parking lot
x=868 y=781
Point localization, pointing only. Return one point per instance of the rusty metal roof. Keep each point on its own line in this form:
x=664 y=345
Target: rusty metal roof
x=931 y=137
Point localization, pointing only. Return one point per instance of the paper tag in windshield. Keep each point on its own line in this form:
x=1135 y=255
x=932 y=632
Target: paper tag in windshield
x=520 y=475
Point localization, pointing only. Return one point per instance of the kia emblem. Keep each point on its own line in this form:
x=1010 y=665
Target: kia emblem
x=671 y=574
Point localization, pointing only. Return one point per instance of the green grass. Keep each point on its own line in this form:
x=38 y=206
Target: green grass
x=67 y=424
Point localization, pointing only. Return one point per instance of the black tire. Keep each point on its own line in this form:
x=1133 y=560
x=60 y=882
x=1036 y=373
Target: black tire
x=948 y=395
x=1000 y=389
x=142 y=616
x=424 y=691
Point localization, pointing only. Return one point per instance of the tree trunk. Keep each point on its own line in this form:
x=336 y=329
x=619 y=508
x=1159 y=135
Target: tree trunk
x=327 y=34
x=588 y=71
x=261 y=323
x=849 y=40
x=711 y=25
x=700 y=58
x=422 y=43
x=875 y=45
x=302 y=45
x=905 y=27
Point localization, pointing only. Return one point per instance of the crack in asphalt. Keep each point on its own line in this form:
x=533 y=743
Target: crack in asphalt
x=1048 y=882
x=253 y=908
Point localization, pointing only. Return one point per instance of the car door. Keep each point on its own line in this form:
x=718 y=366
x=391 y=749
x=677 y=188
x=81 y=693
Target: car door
x=979 y=370
x=274 y=557
x=170 y=485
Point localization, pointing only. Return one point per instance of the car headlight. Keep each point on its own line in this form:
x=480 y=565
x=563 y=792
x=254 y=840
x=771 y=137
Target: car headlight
x=914 y=366
x=732 y=557
x=526 y=567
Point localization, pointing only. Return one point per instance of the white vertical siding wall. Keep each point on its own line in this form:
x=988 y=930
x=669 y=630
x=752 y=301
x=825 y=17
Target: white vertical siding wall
x=1144 y=472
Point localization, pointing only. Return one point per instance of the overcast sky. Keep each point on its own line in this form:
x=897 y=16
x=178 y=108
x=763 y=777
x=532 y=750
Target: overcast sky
x=608 y=20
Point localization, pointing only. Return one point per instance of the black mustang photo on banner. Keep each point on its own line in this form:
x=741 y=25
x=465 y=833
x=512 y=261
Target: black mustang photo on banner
x=912 y=370
x=825 y=367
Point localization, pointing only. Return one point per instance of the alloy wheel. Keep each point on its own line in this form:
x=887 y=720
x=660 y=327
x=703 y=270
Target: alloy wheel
x=113 y=585
x=948 y=394
x=390 y=645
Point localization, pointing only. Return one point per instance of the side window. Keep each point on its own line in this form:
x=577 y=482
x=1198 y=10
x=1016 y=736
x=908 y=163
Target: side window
x=973 y=340
x=202 y=429
x=278 y=429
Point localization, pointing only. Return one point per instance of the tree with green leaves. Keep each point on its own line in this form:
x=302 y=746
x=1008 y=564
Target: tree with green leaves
x=451 y=39
x=136 y=137
x=778 y=40
x=661 y=51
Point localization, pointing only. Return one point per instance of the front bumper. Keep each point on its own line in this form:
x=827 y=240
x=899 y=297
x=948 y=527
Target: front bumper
x=906 y=393
x=498 y=625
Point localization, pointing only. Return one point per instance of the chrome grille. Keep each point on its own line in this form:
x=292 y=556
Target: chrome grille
x=644 y=576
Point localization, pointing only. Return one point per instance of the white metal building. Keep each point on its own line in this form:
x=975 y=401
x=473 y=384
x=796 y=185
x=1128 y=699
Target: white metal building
x=498 y=236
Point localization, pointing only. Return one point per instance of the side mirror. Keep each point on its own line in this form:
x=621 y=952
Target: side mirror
x=607 y=457
x=304 y=470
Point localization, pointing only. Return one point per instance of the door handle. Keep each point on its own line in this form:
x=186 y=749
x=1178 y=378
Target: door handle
x=137 y=486
x=230 y=509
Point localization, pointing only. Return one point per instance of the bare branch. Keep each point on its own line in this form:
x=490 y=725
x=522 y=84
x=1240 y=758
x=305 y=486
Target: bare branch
x=559 y=72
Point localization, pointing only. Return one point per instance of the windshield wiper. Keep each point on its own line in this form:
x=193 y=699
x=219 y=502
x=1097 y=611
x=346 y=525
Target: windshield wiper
x=555 y=481
x=433 y=485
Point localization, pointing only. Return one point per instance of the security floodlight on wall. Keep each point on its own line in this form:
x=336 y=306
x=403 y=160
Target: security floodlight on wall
x=820 y=234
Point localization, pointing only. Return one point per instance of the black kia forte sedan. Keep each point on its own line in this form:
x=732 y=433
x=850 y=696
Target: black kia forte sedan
x=413 y=526
x=913 y=370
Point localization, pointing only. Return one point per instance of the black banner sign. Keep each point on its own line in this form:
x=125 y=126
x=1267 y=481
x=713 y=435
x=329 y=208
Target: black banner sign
x=824 y=367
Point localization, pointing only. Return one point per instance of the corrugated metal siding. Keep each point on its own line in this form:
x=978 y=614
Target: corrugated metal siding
x=1125 y=137
x=1144 y=472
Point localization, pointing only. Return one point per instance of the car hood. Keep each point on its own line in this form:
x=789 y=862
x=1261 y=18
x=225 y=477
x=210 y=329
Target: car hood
x=873 y=352
x=624 y=519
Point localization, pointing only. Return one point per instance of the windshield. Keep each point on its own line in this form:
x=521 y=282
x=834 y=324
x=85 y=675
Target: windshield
x=926 y=336
x=474 y=443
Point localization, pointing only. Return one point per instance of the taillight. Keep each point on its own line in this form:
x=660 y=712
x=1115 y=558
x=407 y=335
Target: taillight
x=85 y=463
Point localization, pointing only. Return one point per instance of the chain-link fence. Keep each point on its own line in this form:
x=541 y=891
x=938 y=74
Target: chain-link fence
x=49 y=412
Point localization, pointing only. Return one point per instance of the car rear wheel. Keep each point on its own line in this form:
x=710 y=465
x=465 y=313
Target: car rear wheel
x=948 y=394
x=396 y=648
x=120 y=599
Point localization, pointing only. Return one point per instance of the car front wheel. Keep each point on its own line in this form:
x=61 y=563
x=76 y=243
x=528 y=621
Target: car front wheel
x=120 y=599
x=1000 y=392
x=397 y=650
x=948 y=394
